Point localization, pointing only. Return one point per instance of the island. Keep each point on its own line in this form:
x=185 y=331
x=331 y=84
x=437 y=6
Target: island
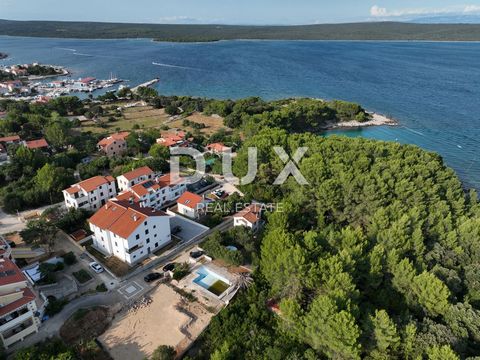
x=202 y=33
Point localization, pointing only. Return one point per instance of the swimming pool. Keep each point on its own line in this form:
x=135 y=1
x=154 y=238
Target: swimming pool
x=211 y=281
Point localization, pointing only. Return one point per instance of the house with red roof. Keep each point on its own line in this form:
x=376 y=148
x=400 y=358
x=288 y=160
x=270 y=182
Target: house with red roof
x=17 y=305
x=40 y=144
x=153 y=192
x=217 y=148
x=191 y=205
x=128 y=231
x=134 y=177
x=90 y=194
x=176 y=139
x=13 y=139
x=114 y=145
x=250 y=217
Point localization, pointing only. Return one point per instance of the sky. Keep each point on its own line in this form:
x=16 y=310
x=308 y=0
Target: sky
x=257 y=12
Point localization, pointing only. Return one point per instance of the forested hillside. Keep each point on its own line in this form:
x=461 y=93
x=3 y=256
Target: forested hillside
x=164 y=32
x=377 y=258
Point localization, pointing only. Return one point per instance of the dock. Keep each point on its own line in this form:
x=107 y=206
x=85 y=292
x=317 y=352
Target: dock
x=146 y=84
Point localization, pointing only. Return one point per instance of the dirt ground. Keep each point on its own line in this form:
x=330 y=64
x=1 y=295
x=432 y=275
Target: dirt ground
x=166 y=320
x=85 y=325
x=212 y=123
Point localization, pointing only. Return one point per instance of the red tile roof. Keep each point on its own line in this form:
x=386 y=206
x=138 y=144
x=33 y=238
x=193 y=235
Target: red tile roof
x=190 y=200
x=218 y=147
x=112 y=138
x=251 y=213
x=27 y=297
x=10 y=138
x=166 y=180
x=11 y=273
x=122 y=218
x=142 y=189
x=142 y=171
x=36 y=144
x=90 y=184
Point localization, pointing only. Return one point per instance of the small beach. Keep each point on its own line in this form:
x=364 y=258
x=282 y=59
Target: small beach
x=376 y=120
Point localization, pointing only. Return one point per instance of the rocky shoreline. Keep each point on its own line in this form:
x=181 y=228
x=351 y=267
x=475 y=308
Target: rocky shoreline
x=376 y=120
x=3 y=56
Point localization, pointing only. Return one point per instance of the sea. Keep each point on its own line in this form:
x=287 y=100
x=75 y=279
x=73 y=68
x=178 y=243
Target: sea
x=432 y=89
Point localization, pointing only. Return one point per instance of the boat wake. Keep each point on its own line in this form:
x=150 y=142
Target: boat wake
x=66 y=49
x=82 y=54
x=414 y=131
x=173 y=66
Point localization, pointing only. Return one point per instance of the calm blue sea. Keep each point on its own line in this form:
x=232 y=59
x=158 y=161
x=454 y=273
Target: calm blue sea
x=433 y=89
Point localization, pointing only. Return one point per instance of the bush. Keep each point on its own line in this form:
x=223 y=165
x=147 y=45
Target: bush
x=181 y=271
x=164 y=352
x=82 y=276
x=70 y=258
x=101 y=288
x=55 y=306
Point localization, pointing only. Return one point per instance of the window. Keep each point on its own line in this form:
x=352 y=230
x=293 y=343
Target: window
x=145 y=223
x=101 y=194
x=156 y=244
x=137 y=236
x=148 y=241
x=154 y=226
x=116 y=244
x=146 y=232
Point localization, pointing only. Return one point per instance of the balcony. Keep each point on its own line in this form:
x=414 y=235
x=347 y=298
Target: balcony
x=19 y=332
x=133 y=249
x=15 y=318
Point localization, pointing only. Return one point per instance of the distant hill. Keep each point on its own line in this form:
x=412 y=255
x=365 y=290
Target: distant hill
x=160 y=32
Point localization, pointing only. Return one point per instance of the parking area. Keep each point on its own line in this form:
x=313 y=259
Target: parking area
x=189 y=229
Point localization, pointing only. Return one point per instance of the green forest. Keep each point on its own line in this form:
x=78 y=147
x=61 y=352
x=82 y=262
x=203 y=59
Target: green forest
x=197 y=33
x=377 y=258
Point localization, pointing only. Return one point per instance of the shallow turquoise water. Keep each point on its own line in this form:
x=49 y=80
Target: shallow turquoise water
x=431 y=88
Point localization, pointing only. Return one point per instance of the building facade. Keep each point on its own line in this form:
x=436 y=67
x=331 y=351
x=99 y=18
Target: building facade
x=134 y=177
x=90 y=194
x=128 y=231
x=114 y=145
x=250 y=217
x=154 y=193
x=18 y=308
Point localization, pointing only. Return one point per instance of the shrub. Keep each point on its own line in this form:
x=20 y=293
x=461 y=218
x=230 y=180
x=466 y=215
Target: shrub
x=82 y=276
x=181 y=271
x=70 y=258
x=101 y=288
x=55 y=306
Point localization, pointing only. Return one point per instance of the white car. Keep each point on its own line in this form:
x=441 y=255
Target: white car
x=96 y=267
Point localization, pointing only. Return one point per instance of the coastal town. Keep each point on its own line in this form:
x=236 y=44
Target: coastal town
x=233 y=200
x=138 y=243
x=39 y=82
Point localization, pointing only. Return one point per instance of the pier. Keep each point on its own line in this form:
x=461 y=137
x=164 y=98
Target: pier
x=146 y=84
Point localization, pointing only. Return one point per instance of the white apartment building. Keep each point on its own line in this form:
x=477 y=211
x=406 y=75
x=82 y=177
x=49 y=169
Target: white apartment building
x=17 y=305
x=90 y=194
x=128 y=231
x=131 y=178
x=155 y=193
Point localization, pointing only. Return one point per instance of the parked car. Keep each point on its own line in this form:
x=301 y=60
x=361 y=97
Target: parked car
x=196 y=254
x=152 y=277
x=176 y=230
x=169 y=267
x=96 y=267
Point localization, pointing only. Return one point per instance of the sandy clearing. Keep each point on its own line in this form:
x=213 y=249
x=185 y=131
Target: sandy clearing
x=135 y=335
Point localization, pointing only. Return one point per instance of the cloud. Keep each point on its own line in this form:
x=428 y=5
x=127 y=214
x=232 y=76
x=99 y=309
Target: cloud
x=381 y=12
x=186 y=20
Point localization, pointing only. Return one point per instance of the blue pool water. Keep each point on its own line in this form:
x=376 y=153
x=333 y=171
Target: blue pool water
x=431 y=88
